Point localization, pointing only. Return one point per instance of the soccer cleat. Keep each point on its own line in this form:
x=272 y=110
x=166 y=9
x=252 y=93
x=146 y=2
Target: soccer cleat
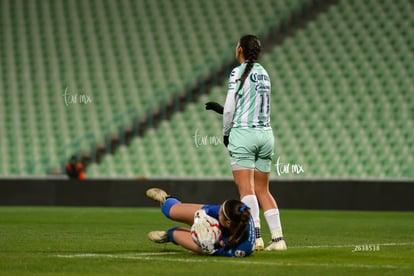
x=259 y=245
x=157 y=195
x=158 y=236
x=277 y=245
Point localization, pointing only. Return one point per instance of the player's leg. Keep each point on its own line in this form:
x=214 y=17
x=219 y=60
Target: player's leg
x=184 y=212
x=183 y=237
x=244 y=179
x=265 y=198
x=172 y=208
x=261 y=180
x=242 y=161
x=176 y=235
x=269 y=204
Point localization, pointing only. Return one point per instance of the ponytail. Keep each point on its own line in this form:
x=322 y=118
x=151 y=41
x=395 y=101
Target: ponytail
x=251 y=50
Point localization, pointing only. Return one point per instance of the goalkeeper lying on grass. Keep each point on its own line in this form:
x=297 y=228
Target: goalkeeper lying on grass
x=220 y=230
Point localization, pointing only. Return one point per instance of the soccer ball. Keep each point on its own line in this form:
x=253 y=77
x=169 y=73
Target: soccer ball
x=205 y=231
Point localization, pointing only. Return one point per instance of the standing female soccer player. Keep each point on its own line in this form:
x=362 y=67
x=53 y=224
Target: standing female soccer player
x=237 y=226
x=249 y=137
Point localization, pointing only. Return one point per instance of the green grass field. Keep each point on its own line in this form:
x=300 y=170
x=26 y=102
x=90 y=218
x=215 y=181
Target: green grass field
x=112 y=241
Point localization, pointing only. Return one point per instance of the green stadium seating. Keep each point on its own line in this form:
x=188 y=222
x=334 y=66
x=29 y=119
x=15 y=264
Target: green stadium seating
x=342 y=86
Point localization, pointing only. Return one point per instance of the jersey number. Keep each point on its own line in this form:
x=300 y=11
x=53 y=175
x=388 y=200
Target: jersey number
x=264 y=104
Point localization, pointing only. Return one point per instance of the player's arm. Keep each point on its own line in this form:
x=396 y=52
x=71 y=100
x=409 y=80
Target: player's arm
x=228 y=112
x=230 y=105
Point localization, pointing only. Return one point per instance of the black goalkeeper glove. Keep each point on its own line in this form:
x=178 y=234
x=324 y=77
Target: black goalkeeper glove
x=226 y=140
x=215 y=106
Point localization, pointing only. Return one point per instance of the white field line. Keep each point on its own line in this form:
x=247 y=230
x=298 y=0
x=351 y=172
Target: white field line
x=163 y=256
x=97 y=255
x=225 y=260
x=353 y=245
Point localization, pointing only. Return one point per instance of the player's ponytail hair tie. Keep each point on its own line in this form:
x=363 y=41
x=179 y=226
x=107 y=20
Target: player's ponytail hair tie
x=243 y=208
x=234 y=210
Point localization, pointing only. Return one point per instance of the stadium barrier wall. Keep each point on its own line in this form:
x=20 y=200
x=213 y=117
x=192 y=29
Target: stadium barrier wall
x=290 y=194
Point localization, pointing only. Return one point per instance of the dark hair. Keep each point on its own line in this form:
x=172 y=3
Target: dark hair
x=239 y=215
x=251 y=51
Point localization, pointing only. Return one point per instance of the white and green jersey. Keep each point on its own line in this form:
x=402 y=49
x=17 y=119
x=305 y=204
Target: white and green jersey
x=248 y=106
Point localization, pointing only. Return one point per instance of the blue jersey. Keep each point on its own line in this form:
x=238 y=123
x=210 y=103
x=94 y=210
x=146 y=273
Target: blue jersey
x=244 y=248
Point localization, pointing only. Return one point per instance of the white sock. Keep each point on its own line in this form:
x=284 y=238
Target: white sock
x=273 y=221
x=251 y=201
